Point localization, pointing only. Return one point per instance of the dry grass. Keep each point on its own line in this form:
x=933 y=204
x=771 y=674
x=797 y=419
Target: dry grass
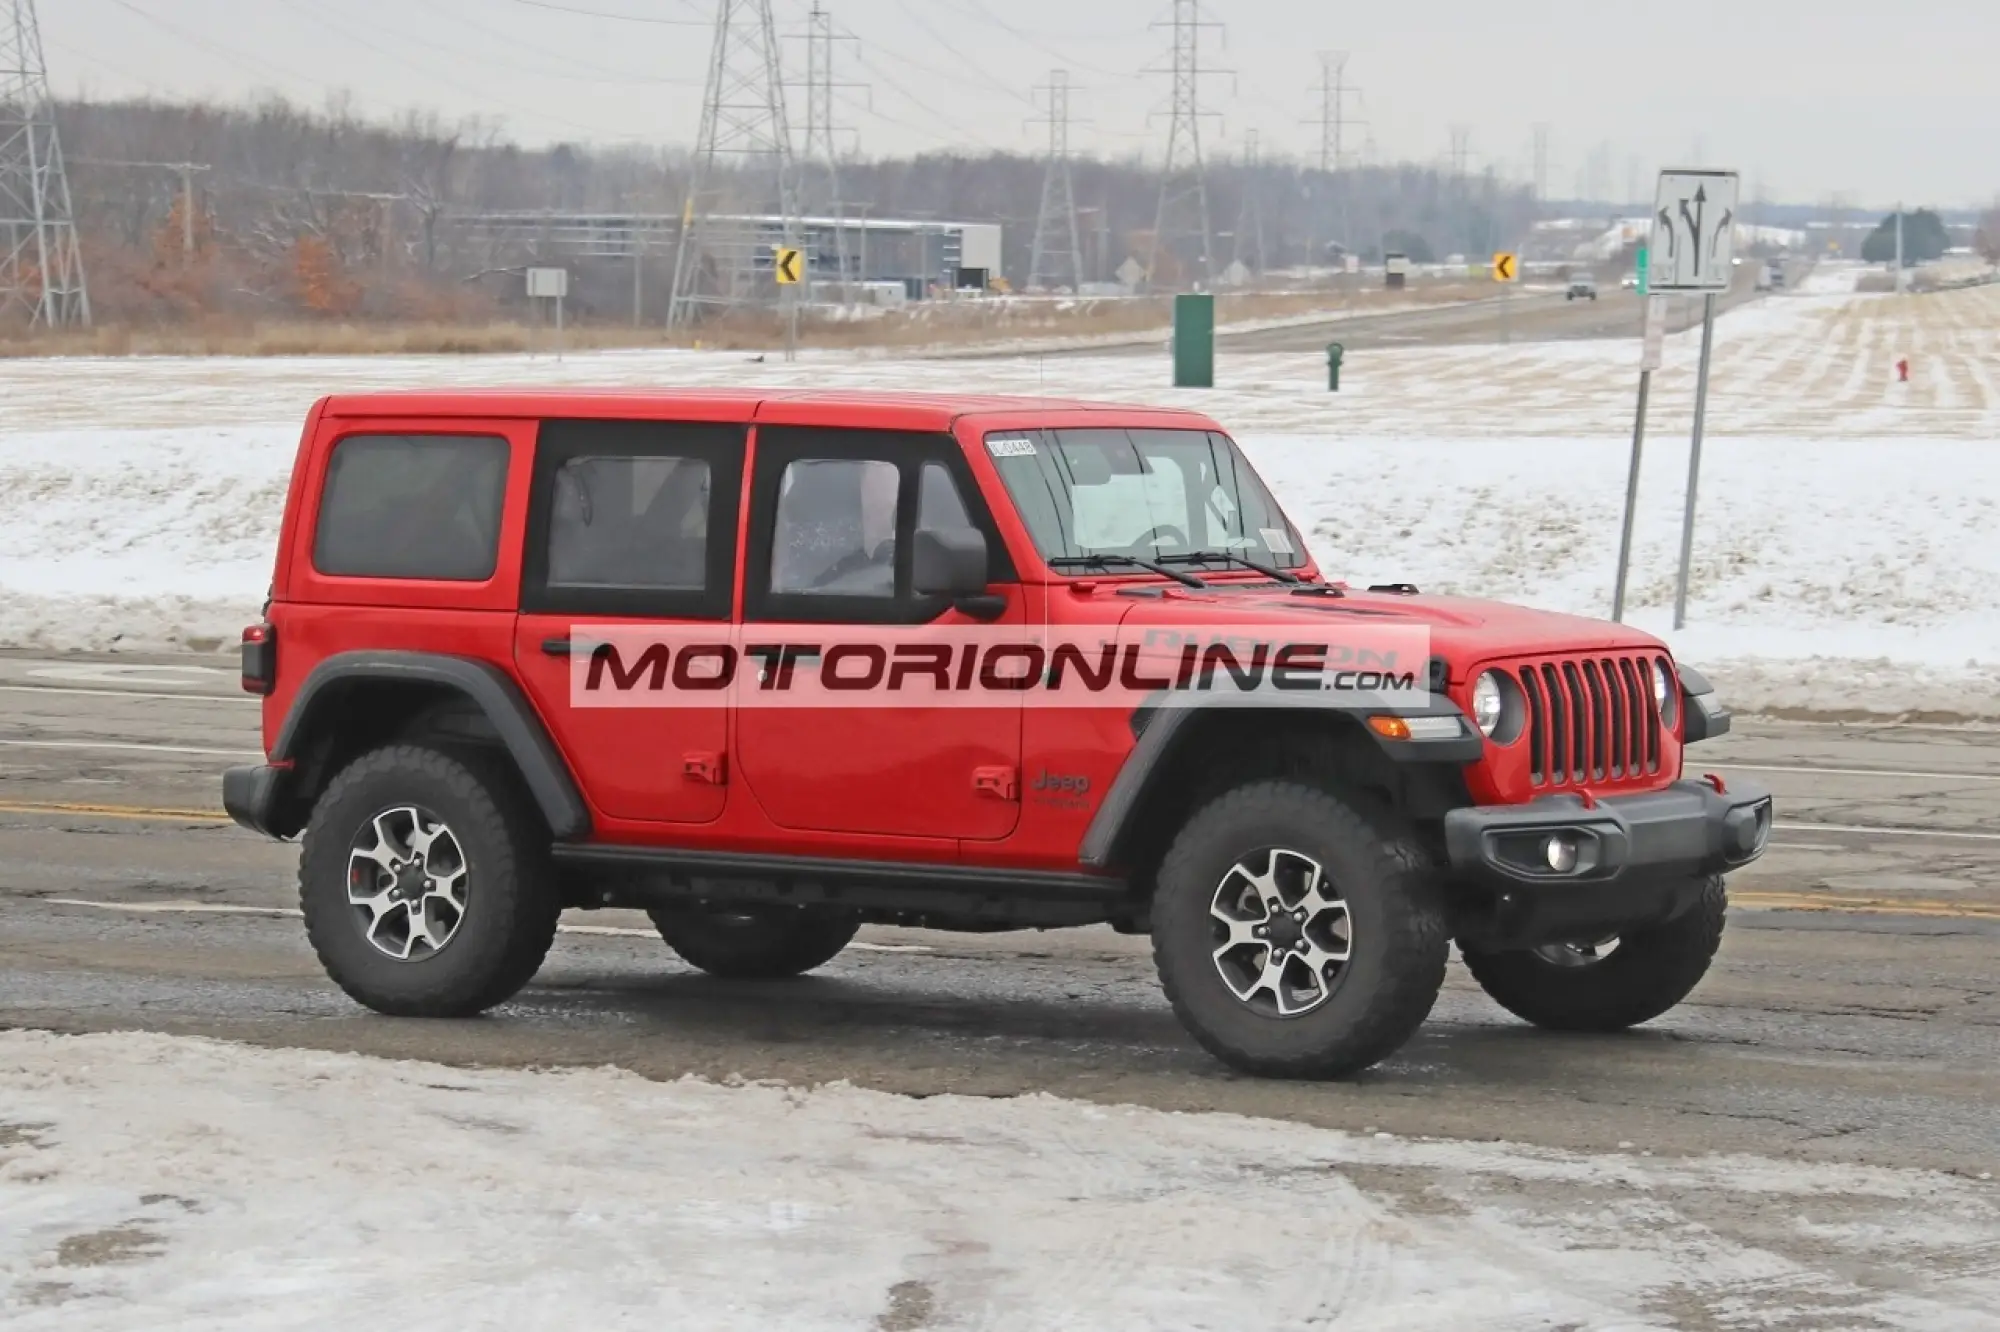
x=930 y=324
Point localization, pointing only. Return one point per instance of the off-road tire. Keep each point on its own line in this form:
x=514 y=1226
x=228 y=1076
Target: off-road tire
x=754 y=945
x=1383 y=992
x=1649 y=972
x=511 y=904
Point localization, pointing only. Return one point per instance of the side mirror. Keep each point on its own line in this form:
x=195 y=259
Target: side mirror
x=948 y=563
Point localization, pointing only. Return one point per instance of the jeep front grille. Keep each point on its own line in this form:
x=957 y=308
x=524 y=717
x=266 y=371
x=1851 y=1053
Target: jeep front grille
x=1590 y=719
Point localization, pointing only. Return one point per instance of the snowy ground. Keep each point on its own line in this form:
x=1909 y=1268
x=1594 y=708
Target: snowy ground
x=164 y=1183
x=1845 y=558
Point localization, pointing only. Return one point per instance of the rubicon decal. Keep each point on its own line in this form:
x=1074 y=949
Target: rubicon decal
x=993 y=666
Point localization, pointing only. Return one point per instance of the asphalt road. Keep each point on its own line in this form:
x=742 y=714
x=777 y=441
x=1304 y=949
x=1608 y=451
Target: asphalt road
x=1524 y=316
x=1854 y=1014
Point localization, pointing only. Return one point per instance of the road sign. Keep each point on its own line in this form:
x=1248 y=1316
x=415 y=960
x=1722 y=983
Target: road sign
x=1644 y=267
x=790 y=265
x=1694 y=231
x=1506 y=268
x=548 y=282
x=1130 y=272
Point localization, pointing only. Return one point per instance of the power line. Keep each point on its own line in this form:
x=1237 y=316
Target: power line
x=1332 y=120
x=1249 y=238
x=1183 y=203
x=41 y=265
x=722 y=260
x=622 y=18
x=1058 y=242
x=591 y=72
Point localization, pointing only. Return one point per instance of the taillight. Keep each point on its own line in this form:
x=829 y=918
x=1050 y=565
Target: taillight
x=260 y=659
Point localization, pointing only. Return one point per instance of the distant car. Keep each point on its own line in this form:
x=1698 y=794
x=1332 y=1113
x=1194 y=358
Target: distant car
x=1630 y=282
x=1581 y=285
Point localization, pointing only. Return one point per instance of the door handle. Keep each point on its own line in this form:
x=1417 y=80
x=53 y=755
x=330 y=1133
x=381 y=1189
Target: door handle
x=556 y=647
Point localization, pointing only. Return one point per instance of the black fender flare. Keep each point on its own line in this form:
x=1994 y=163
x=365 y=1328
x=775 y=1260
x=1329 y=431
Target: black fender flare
x=1158 y=728
x=486 y=686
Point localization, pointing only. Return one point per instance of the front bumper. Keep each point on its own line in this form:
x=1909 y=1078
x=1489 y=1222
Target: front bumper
x=1637 y=860
x=1691 y=828
x=253 y=797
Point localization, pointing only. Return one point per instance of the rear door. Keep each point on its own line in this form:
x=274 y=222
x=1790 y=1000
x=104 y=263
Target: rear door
x=632 y=530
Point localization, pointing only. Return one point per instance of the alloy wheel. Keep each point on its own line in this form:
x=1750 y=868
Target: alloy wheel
x=1281 y=932
x=406 y=880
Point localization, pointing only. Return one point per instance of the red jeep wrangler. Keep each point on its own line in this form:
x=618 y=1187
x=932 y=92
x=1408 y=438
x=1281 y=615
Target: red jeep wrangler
x=456 y=721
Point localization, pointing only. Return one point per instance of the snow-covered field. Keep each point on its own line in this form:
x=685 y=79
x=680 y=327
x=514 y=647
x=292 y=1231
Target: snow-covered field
x=165 y=1183
x=1846 y=556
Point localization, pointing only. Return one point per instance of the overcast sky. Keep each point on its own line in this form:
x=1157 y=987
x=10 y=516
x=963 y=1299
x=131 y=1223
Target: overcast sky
x=1896 y=101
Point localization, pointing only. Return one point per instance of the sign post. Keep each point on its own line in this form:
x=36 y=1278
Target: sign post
x=547 y=283
x=1506 y=271
x=788 y=265
x=1650 y=346
x=1693 y=250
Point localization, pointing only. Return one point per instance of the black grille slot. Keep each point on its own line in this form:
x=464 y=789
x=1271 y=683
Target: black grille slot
x=1590 y=719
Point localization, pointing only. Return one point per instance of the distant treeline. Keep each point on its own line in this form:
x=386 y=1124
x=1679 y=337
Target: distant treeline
x=300 y=212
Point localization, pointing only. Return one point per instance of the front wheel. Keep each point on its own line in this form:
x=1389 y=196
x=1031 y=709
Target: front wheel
x=754 y=943
x=1608 y=984
x=1294 y=937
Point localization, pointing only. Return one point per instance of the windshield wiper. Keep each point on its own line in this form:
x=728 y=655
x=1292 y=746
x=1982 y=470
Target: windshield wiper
x=1268 y=570
x=1113 y=557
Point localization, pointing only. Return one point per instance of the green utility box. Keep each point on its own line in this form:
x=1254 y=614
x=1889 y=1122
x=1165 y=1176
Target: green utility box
x=1334 y=351
x=1194 y=340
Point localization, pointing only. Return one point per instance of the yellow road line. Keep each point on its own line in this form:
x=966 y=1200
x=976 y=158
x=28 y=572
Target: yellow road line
x=139 y=813
x=1866 y=906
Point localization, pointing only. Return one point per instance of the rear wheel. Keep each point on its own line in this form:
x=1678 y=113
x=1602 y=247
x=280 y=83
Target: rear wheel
x=754 y=943
x=1608 y=984
x=1294 y=937
x=424 y=884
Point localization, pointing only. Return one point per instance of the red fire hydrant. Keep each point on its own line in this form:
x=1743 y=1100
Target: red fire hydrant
x=1902 y=369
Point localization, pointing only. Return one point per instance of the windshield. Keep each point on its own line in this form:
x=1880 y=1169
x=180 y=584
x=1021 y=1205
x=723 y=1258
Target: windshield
x=1153 y=494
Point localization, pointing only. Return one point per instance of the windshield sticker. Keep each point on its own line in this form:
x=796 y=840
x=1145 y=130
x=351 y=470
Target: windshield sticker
x=1276 y=540
x=1010 y=446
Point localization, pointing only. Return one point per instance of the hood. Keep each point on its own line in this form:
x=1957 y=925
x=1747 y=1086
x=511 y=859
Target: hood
x=1465 y=631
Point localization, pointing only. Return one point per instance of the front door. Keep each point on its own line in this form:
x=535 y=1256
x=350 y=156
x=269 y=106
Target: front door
x=832 y=517
x=631 y=524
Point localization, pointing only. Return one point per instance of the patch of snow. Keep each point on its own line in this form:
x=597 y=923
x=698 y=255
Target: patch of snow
x=1843 y=555
x=161 y=1182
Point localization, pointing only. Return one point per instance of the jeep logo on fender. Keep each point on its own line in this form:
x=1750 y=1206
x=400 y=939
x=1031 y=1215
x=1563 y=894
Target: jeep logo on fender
x=983 y=666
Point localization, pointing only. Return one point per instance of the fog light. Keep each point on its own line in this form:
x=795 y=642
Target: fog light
x=1560 y=852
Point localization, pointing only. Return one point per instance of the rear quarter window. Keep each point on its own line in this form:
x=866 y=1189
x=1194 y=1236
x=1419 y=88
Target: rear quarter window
x=412 y=506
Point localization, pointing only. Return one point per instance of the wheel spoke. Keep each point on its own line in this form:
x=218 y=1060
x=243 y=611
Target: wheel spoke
x=421 y=930
x=449 y=888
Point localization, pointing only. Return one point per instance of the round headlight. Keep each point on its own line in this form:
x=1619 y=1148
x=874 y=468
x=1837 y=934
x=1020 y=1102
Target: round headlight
x=1663 y=692
x=1487 y=703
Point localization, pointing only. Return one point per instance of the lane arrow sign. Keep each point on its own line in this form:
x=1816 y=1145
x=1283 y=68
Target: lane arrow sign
x=1694 y=222
x=788 y=265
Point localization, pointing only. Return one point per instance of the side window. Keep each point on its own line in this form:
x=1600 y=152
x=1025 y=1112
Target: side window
x=630 y=522
x=634 y=518
x=834 y=532
x=940 y=507
x=412 y=506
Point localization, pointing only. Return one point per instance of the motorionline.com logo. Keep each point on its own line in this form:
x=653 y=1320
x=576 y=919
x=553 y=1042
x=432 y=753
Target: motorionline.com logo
x=992 y=666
